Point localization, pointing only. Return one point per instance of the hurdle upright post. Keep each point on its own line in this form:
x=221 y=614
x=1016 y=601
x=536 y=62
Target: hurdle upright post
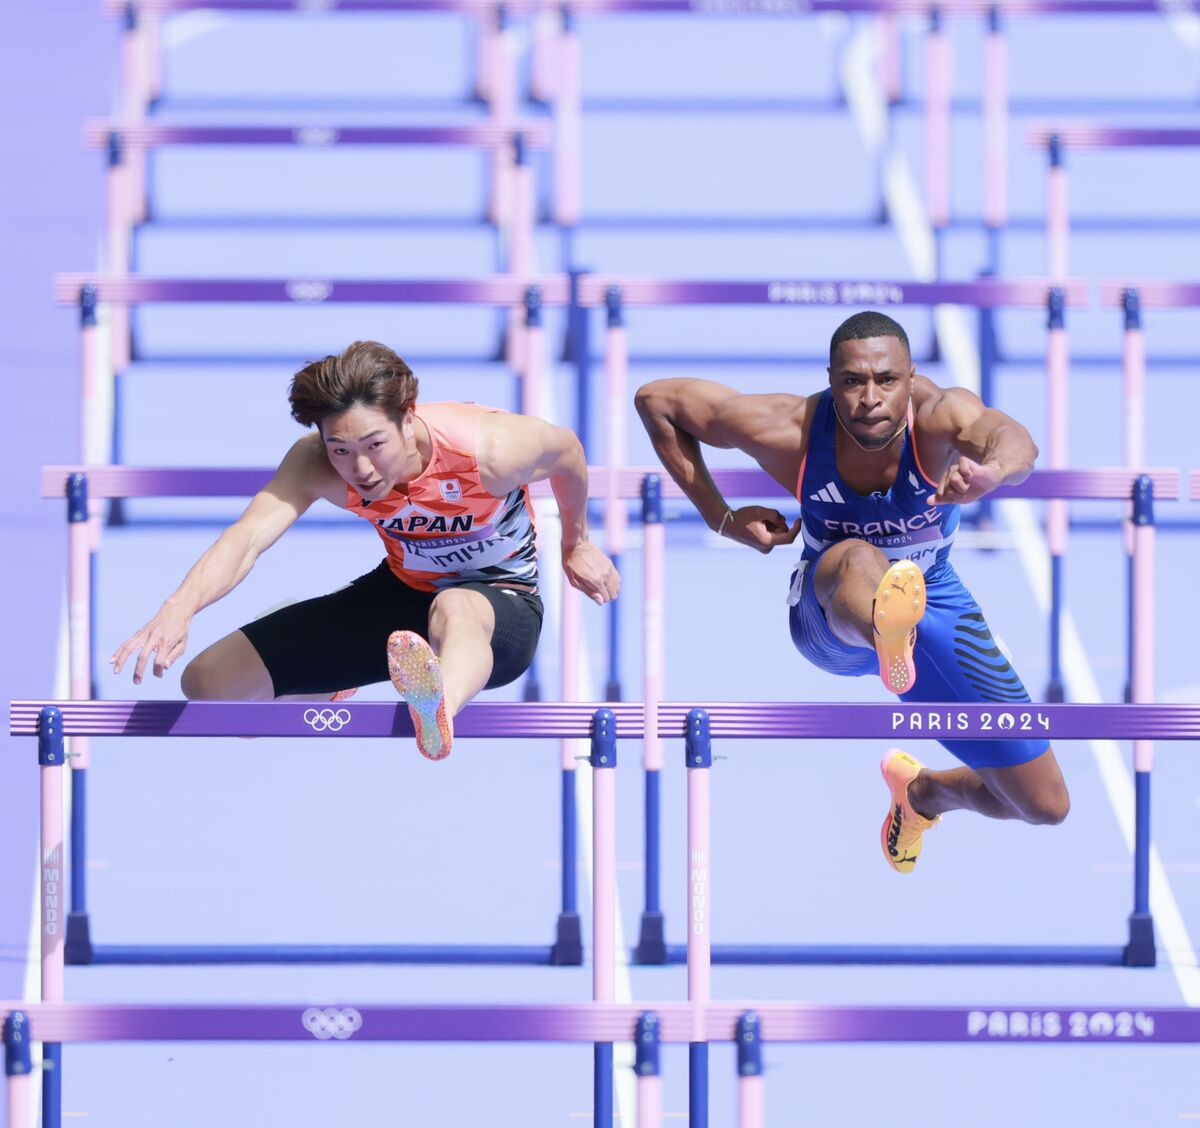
x=651 y=946
x=1140 y=951
x=647 y=1065
x=518 y=232
x=1058 y=223
x=604 y=896
x=502 y=95
x=545 y=34
x=995 y=136
x=18 y=1069
x=751 y=1102
x=568 y=125
x=1057 y=512
x=616 y=520
x=937 y=130
x=51 y=759
x=80 y=562
x=698 y=758
x=1133 y=404
x=567 y=949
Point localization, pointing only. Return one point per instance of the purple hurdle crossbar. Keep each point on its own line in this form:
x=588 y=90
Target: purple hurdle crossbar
x=670 y=1022
x=1140 y=950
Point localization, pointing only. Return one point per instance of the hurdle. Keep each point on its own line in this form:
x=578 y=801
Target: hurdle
x=616 y=293
x=141 y=27
x=1098 y=484
x=512 y=203
x=82 y=484
x=91 y=292
x=1055 y=139
x=692 y=1022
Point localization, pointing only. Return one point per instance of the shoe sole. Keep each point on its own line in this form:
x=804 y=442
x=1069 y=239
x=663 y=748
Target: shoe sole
x=898 y=607
x=416 y=674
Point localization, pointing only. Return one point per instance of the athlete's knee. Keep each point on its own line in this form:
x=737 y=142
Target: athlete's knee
x=455 y=606
x=1047 y=807
x=201 y=679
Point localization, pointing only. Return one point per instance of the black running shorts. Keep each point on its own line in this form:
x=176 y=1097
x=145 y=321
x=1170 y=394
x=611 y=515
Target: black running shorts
x=339 y=641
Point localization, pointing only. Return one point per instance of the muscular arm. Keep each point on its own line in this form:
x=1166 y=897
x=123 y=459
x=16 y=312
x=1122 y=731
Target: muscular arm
x=683 y=415
x=302 y=477
x=986 y=448
x=516 y=450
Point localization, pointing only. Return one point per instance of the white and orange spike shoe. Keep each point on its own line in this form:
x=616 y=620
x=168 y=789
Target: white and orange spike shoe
x=902 y=827
x=897 y=609
x=417 y=675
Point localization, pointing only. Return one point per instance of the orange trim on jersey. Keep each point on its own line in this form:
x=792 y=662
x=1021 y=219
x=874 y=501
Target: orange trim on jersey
x=800 y=477
x=912 y=438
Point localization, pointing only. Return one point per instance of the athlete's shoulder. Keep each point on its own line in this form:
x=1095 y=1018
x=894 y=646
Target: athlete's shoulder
x=305 y=470
x=939 y=408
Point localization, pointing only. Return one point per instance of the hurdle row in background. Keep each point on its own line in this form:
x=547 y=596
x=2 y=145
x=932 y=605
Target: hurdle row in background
x=556 y=60
x=698 y=1022
x=617 y=485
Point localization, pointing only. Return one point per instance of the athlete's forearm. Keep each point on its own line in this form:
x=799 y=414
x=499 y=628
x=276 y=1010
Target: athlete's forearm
x=569 y=484
x=216 y=573
x=681 y=455
x=1010 y=448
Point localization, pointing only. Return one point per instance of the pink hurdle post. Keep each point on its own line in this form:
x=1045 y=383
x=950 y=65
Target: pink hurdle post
x=698 y=757
x=995 y=129
x=1133 y=372
x=752 y=1108
x=88 y=375
x=891 y=75
x=937 y=122
x=52 y=758
x=80 y=547
x=520 y=222
x=134 y=73
x=654 y=553
x=1058 y=223
x=616 y=380
x=544 y=53
x=532 y=348
x=1057 y=513
x=568 y=127
x=487 y=32
x=502 y=95
x=647 y=1065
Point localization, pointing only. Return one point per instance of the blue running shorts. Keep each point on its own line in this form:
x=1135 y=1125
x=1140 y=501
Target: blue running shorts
x=956 y=659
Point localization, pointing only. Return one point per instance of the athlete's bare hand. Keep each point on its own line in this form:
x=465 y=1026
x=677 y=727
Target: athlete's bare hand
x=966 y=480
x=760 y=528
x=591 y=571
x=164 y=637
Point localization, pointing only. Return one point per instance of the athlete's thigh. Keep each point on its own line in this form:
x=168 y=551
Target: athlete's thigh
x=338 y=641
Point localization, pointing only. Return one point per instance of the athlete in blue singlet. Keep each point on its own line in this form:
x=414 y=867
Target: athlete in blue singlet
x=880 y=462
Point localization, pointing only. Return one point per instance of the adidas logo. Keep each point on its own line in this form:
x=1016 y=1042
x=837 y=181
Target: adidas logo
x=828 y=493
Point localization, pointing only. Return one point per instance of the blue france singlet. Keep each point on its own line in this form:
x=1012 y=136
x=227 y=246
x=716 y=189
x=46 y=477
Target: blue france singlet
x=899 y=522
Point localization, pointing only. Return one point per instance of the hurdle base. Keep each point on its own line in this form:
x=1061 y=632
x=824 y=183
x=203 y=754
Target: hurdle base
x=1032 y=955
x=179 y=954
x=77 y=948
x=1141 y=951
x=651 y=946
x=567 y=950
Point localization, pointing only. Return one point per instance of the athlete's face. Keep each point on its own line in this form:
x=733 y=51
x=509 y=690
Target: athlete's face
x=370 y=450
x=871 y=381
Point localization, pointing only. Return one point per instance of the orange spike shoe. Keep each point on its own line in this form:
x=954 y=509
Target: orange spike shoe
x=897 y=609
x=902 y=826
x=417 y=675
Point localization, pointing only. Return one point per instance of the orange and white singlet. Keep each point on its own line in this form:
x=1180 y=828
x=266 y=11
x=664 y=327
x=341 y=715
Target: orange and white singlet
x=444 y=528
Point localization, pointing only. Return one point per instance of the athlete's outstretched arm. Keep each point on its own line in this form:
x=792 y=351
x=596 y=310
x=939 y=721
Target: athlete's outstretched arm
x=516 y=450
x=680 y=415
x=989 y=448
x=292 y=489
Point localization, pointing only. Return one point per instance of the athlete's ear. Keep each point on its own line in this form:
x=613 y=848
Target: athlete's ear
x=406 y=423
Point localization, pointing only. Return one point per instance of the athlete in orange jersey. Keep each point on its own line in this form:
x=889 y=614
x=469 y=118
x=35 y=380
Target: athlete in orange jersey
x=454 y=606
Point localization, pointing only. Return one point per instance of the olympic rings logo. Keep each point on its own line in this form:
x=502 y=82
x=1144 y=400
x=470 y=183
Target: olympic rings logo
x=324 y=1023
x=326 y=720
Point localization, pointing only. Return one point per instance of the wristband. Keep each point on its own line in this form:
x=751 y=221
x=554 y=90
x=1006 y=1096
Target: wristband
x=721 y=527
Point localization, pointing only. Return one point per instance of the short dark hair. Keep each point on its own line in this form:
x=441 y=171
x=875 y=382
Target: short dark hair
x=367 y=373
x=868 y=324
